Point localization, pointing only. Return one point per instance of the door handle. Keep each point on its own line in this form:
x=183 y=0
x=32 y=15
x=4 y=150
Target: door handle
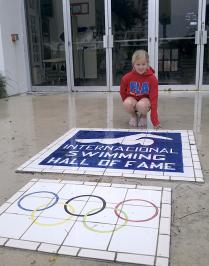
x=204 y=35
x=197 y=37
x=105 y=41
x=111 y=41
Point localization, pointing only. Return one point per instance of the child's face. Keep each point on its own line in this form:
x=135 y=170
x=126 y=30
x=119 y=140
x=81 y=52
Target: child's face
x=141 y=65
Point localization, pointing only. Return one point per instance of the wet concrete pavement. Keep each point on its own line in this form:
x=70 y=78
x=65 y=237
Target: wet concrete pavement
x=28 y=123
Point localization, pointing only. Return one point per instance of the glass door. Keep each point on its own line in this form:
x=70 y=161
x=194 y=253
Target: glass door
x=87 y=34
x=128 y=32
x=178 y=40
x=205 y=45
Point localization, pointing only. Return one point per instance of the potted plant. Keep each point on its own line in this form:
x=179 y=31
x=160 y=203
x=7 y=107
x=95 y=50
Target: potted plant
x=3 y=92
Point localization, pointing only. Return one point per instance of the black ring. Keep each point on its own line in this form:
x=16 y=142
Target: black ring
x=79 y=215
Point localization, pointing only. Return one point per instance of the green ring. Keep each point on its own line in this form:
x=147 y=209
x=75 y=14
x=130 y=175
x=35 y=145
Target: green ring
x=106 y=231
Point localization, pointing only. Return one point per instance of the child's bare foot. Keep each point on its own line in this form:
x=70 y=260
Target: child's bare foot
x=142 y=123
x=133 y=121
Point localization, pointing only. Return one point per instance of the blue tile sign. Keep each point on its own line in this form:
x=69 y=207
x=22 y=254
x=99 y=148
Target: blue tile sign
x=146 y=151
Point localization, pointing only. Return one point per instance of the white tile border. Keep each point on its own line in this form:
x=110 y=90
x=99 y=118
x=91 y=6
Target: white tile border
x=97 y=254
x=3 y=240
x=23 y=244
x=133 y=258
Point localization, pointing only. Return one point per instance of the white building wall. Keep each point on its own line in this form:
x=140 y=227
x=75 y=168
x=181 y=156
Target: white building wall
x=13 y=54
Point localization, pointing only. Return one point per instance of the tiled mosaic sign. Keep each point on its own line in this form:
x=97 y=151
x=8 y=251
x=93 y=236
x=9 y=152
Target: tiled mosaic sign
x=169 y=155
x=114 y=222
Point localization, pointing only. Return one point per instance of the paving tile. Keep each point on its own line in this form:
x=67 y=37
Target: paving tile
x=7 y=228
x=137 y=259
x=133 y=243
x=97 y=254
x=3 y=240
x=16 y=243
x=4 y=207
x=165 y=226
x=72 y=251
x=166 y=210
x=162 y=261
x=48 y=248
x=163 y=246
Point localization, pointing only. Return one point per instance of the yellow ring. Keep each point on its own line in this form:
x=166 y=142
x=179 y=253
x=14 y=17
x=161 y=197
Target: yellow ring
x=105 y=231
x=50 y=225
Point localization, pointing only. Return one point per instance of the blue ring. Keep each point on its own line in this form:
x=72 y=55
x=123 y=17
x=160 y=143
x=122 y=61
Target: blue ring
x=56 y=200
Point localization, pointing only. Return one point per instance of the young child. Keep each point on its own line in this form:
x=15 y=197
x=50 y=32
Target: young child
x=139 y=91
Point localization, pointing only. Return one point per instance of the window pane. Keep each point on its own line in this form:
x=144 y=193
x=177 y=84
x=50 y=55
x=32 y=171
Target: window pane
x=46 y=42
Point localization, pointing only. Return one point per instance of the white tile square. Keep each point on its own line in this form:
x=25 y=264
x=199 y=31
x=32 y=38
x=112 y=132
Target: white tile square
x=187 y=172
x=123 y=185
x=7 y=222
x=166 y=210
x=3 y=240
x=110 y=194
x=58 y=212
x=44 y=186
x=97 y=254
x=148 y=195
x=137 y=175
x=16 y=243
x=197 y=165
x=165 y=225
x=15 y=197
x=162 y=261
x=106 y=216
x=48 y=248
x=195 y=158
x=198 y=173
x=72 y=251
x=166 y=198
x=89 y=239
x=45 y=231
x=163 y=246
x=137 y=259
x=179 y=178
x=133 y=243
x=198 y=179
x=4 y=207
x=27 y=186
x=103 y=184
x=71 y=191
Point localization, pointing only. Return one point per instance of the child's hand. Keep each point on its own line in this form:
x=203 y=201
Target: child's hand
x=158 y=127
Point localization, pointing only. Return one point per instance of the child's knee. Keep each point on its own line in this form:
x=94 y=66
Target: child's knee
x=129 y=104
x=143 y=106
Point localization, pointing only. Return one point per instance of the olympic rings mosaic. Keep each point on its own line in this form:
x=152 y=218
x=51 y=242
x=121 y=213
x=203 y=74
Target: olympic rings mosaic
x=70 y=210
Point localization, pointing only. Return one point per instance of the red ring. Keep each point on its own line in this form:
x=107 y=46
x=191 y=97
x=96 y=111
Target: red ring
x=148 y=219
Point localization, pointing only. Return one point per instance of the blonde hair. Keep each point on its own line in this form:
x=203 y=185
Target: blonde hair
x=138 y=54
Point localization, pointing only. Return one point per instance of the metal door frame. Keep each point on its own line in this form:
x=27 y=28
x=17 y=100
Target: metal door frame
x=203 y=41
x=179 y=87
